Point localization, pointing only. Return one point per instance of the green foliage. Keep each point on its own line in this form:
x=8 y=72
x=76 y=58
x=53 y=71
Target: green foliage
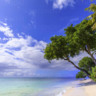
x=81 y=74
x=57 y=48
x=76 y=40
x=81 y=36
x=93 y=74
x=92 y=8
x=92 y=17
x=87 y=64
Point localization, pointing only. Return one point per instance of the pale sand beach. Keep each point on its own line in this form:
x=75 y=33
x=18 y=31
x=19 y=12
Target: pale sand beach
x=84 y=88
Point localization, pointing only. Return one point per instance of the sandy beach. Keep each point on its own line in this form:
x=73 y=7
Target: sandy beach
x=84 y=88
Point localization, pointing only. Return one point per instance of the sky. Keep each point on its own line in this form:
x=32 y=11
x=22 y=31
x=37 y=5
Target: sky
x=25 y=29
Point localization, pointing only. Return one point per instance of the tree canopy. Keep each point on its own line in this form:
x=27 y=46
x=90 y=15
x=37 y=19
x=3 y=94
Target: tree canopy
x=78 y=38
x=81 y=74
x=92 y=17
x=82 y=37
x=87 y=64
x=57 y=49
x=60 y=48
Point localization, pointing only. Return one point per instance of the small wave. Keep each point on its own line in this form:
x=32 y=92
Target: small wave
x=61 y=93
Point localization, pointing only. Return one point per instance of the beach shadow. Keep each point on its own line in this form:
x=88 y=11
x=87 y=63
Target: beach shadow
x=87 y=83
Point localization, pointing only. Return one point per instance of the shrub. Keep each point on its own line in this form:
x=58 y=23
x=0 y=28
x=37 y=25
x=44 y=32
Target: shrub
x=87 y=64
x=93 y=73
x=81 y=74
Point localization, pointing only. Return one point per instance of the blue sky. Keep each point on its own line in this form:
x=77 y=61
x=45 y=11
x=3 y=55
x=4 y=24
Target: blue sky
x=26 y=27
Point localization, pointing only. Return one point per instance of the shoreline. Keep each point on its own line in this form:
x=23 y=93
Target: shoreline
x=67 y=88
x=80 y=88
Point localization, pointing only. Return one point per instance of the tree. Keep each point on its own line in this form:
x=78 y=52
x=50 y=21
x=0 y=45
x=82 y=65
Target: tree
x=81 y=74
x=92 y=17
x=82 y=37
x=59 y=48
x=93 y=74
x=87 y=64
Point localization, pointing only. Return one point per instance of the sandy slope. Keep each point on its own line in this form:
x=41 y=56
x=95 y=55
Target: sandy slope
x=86 y=88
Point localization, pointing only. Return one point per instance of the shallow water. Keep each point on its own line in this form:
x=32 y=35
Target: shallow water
x=33 y=87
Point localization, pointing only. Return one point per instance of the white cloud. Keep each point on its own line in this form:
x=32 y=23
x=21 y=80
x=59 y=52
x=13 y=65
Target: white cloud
x=18 y=72
x=23 y=55
x=22 y=52
x=6 y=30
x=62 y=3
x=18 y=42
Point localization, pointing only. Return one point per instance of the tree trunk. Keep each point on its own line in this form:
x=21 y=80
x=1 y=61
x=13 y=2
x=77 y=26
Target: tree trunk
x=91 y=55
x=85 y=71
x=94 y=60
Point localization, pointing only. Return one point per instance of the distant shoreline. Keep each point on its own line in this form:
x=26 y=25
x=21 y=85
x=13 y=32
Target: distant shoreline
x=42 y=77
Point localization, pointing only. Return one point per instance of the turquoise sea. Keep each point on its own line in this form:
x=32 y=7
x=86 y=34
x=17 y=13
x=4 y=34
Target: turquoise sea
x=33 y=86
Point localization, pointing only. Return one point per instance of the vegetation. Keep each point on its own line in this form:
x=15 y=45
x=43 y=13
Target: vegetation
x=92 y=17
x=87 y=64
x=81 y=74
x=78 y=38
x=59 y=48
x=93 y=74
x=83 y=37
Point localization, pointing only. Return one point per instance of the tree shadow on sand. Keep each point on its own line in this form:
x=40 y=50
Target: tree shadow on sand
x=87 y=83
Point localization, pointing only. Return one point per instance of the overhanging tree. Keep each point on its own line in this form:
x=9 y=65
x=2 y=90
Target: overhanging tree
x=59 y=48
x=82 y=37
x=87 y=64
x=81 y=74
x=92 y=17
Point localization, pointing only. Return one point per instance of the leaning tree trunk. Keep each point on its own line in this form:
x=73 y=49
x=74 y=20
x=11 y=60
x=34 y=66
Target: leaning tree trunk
x=85 y=71
x=94 y=60
x=91 y=55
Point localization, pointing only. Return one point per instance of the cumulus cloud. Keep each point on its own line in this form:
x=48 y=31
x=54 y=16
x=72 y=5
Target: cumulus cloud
x=6 y=30
x=63 y=3
x=59 y=4
x=23 y=55
x=21 y=52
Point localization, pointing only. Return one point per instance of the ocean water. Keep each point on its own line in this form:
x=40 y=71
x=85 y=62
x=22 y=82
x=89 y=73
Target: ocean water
x=33 y=86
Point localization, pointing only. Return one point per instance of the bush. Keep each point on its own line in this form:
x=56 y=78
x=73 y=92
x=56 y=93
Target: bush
x=93 y=74
x=87 y=64
x=81 y=74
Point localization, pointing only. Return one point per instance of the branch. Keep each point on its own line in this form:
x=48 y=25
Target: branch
x=86 y=50
x=89 y=52
x=79 y=67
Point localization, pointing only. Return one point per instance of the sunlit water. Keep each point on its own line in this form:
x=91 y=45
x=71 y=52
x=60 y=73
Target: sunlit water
x=33 y=87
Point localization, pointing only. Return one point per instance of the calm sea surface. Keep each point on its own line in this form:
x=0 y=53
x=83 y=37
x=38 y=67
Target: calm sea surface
x=33 y=87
